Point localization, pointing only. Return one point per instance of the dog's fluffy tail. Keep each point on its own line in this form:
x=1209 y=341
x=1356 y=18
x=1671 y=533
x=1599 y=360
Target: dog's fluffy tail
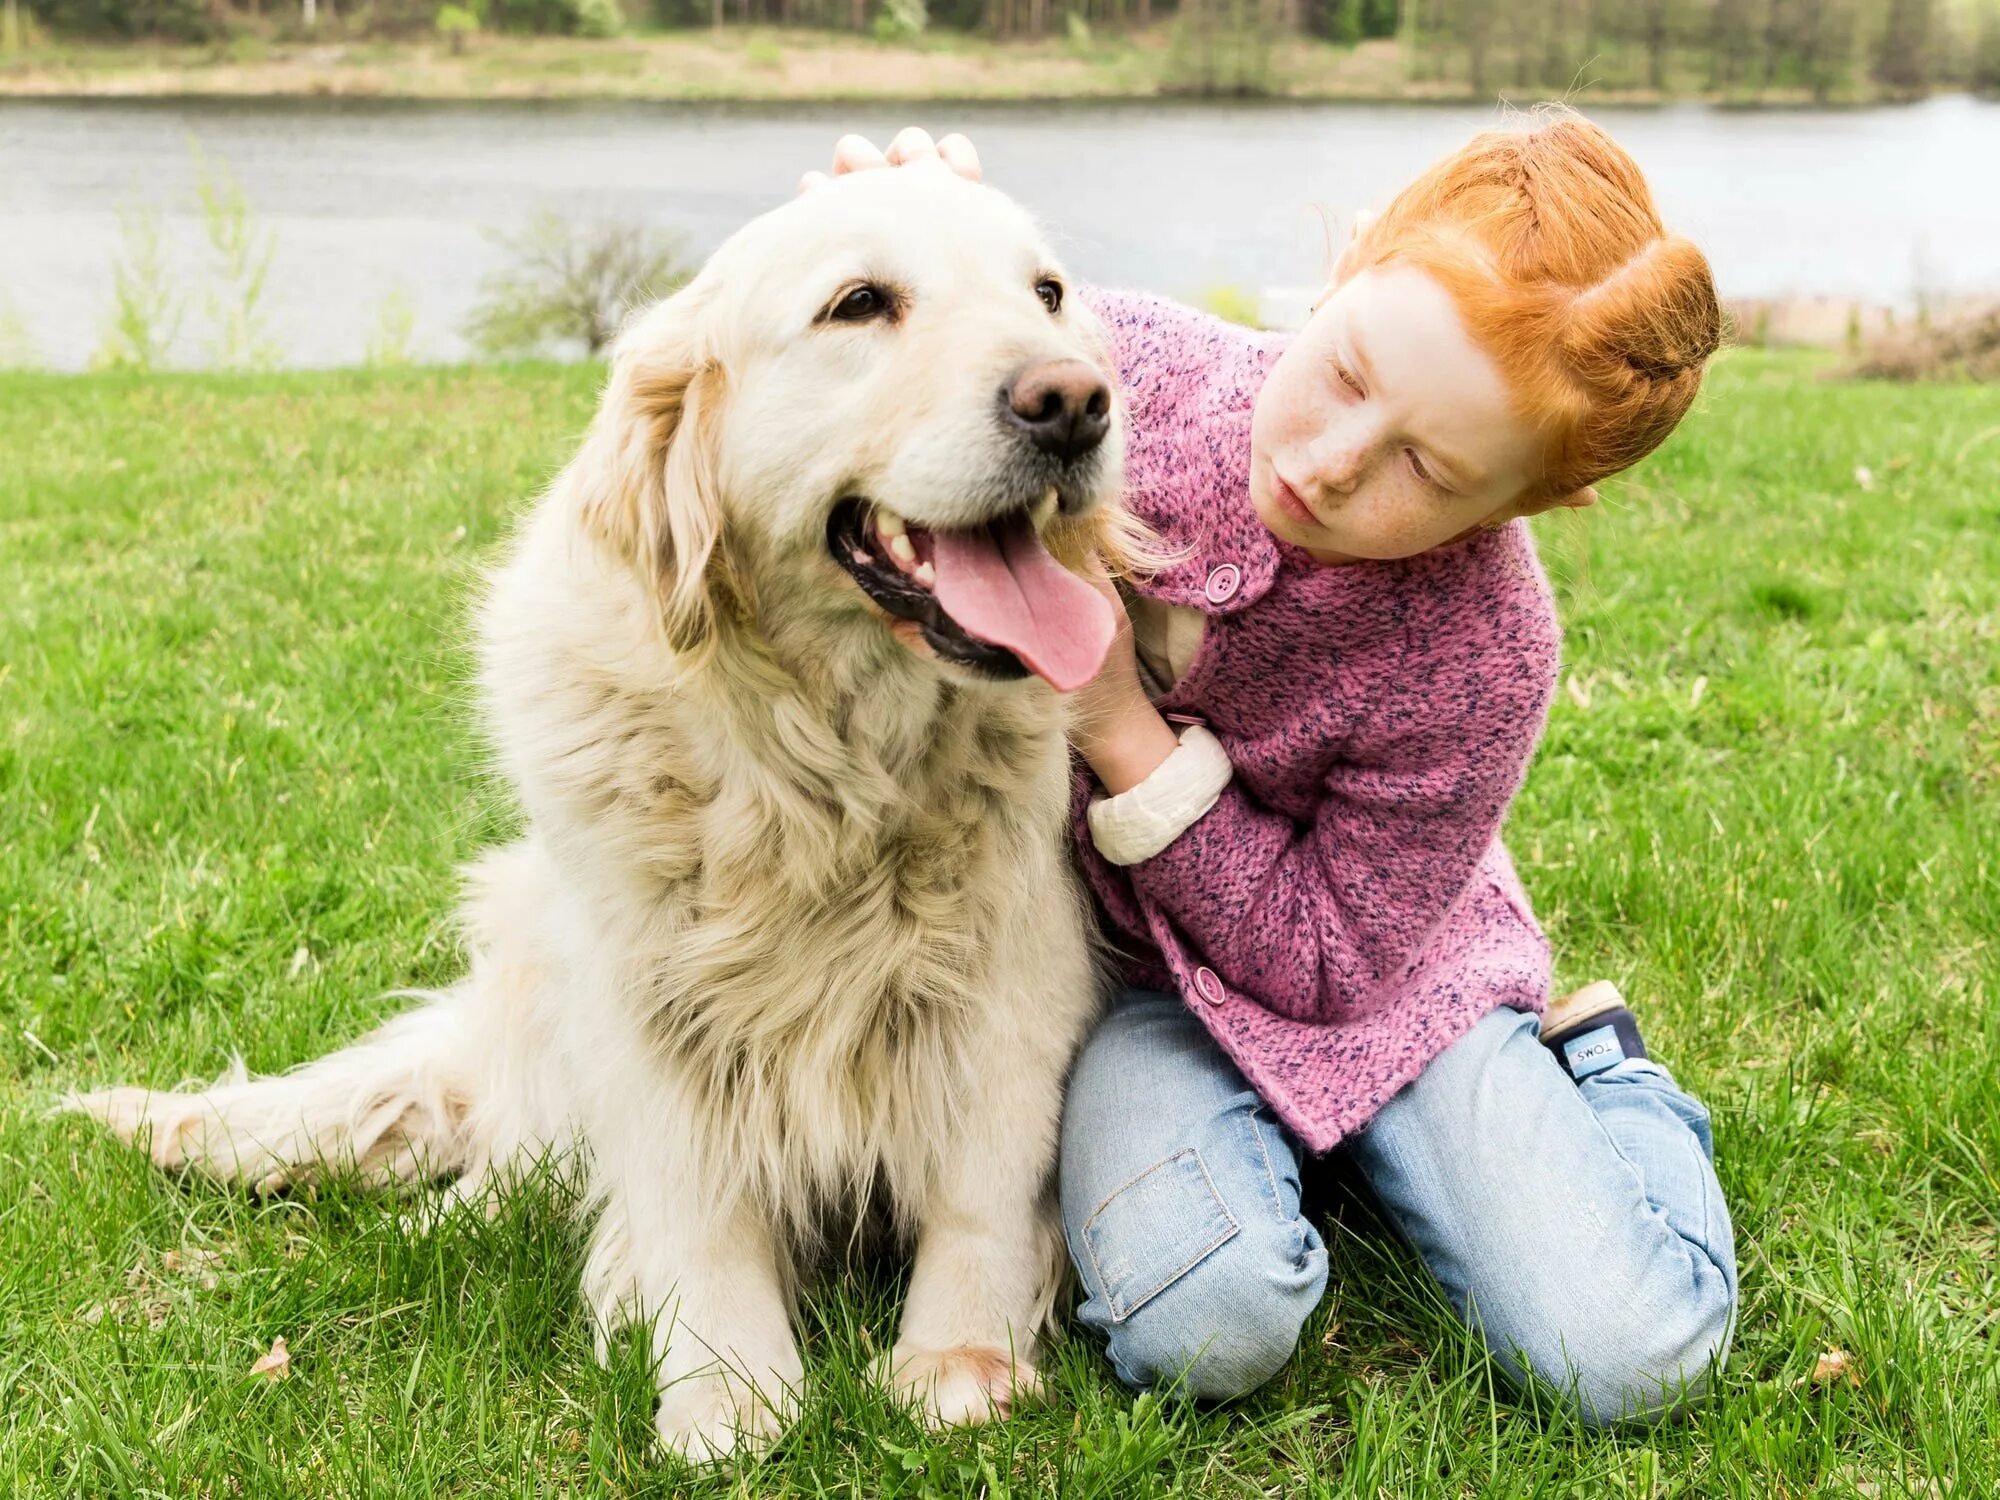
x=468 y=1085
x=395 y=1107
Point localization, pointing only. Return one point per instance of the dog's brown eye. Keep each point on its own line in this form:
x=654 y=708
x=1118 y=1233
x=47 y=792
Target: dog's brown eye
x=1051 y=292
x=862 y=303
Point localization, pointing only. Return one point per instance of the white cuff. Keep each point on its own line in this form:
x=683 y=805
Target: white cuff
x=1142 y=820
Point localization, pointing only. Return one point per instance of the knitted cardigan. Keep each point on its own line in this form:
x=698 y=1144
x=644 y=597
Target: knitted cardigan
x=1344 y=910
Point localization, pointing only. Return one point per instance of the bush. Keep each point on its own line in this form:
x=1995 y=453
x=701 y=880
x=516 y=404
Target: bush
x=17 y=344
x=389 y=341
x=145 y=314
x=540 y=17
x=569 y=286
x=173 y=20
x=1233 y=304
x=901 y=21
x=682 y=15
x=599 y=18
x=1965 y=348
x=455 y=23
x=243 y=251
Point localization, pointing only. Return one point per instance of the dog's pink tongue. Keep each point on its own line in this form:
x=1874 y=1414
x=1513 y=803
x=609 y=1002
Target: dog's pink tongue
x=1009 y=592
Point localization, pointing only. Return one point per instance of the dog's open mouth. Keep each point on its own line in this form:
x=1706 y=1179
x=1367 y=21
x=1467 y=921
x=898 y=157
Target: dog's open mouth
x=988 y=597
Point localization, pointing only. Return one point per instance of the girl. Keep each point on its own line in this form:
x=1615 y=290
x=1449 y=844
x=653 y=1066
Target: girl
x=1295 y=764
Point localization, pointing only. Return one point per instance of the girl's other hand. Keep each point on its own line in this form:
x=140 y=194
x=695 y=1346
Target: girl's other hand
x=856 y=153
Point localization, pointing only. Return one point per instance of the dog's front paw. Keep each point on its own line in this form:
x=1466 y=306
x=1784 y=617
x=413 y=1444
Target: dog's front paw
x=707 y=1417
x=958 y=1387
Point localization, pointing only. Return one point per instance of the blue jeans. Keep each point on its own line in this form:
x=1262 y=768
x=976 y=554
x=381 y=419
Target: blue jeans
x=1579 y=1230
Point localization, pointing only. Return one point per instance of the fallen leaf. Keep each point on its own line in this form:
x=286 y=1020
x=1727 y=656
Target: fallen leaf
x=190 y=1260
x=1865 y=477
x=277 y=1364
x=1835 y=1364
x=1578 y=693
x=1694 y=696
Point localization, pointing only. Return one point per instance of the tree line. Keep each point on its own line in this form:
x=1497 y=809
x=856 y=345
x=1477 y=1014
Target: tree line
x=1823 y=49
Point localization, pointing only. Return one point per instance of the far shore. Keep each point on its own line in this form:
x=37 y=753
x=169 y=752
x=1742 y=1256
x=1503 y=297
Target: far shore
x=755 y=65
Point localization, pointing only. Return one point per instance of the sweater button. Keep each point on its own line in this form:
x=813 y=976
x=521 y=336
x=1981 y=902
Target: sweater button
x=1208 y=986
x=1222 y=582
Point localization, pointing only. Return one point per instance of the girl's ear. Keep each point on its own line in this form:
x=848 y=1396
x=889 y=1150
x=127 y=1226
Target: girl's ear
x=1345 y=263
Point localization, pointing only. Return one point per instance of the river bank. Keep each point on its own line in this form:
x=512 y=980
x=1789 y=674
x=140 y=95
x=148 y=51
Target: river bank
x=756 y=65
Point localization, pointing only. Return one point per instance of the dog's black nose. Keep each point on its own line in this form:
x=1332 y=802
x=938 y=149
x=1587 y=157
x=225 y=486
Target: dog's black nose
x=1064 y=406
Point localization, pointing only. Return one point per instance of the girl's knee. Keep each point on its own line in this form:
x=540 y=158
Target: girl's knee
x=1643 y=1366
x=1229 y=1323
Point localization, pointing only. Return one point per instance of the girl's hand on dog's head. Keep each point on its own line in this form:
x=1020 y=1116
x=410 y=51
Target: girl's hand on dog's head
x=912 y=145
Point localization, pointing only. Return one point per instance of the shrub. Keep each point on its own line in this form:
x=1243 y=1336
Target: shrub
x=17 y=344
x=599 y=18
x=1233 y=304
x=569 y=285
x=146 y=311
x=388 y=343
x=244 y=252
x=901 y=21
x=455 y=23
x=538 y=16
x=1963 y=348
x=175 y=20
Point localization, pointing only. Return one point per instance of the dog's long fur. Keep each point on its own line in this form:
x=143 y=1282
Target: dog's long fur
x=792 y=926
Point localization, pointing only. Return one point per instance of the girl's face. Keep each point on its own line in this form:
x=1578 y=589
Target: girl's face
x=1384 y=431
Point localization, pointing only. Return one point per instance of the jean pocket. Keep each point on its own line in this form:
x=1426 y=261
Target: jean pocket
x=1154 y=1230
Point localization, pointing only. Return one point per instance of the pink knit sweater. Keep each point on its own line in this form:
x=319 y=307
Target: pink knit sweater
x=1345 y=911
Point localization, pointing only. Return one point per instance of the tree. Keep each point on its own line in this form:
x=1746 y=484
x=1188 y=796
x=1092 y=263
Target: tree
x=1985 y=71
x=1903 y=61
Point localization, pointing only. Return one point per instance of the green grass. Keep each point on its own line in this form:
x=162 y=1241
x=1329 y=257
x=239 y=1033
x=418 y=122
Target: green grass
x=237 y=768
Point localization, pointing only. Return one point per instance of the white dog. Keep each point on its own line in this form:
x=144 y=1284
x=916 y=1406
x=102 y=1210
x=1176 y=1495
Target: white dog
x=793 y=924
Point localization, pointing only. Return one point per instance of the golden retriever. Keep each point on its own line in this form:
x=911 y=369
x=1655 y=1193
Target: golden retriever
x=774 y=667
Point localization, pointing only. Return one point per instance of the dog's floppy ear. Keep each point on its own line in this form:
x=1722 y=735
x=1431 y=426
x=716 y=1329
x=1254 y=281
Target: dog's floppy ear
x=645 y=481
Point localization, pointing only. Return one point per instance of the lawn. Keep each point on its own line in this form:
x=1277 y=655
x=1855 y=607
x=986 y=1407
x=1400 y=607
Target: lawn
x=237 y=767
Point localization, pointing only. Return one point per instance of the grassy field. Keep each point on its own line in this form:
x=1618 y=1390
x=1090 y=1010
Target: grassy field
x=236 y=771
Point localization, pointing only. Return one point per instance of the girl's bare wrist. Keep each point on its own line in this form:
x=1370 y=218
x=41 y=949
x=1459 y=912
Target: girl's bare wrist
x=1127 y=746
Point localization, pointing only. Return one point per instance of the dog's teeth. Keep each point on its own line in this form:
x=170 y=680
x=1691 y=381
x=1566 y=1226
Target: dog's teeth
x=904 y=549
x=926 y=574
x=889 y=523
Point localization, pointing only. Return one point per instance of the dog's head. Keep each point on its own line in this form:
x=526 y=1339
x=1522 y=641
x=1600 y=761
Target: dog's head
x=879 y=402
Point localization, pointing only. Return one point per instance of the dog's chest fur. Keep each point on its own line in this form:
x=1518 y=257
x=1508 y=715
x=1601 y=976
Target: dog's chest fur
x=825 y=884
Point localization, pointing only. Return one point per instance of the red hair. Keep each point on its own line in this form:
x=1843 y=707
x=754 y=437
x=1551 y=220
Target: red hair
x=1547 y=239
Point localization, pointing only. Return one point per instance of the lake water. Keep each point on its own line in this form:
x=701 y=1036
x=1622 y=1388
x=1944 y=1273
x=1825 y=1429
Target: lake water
x=379 y=202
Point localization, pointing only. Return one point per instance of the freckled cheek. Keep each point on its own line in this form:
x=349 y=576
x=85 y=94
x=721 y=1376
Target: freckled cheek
x=1398 y=523
x=1301 y=417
